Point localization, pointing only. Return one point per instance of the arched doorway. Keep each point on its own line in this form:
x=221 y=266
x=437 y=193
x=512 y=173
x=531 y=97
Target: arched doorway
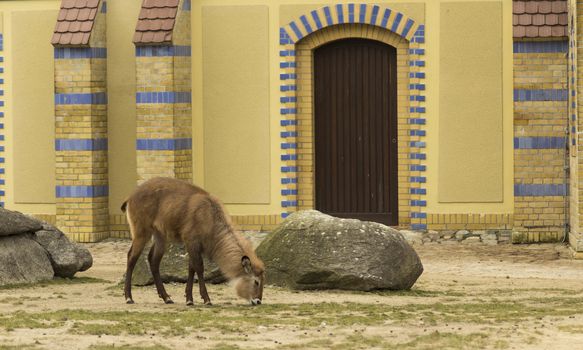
x=355 y=130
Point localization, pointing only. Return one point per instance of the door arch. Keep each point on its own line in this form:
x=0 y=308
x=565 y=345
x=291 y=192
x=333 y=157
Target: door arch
x=355 y=130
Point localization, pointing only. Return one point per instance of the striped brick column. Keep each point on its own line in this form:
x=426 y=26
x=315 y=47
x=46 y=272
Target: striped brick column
x=540 y=125
x=163 y=97
x=81 y=125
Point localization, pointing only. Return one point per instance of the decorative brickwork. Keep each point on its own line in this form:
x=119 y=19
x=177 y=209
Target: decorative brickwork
x=576 y=190
x=81 y=136
x=540 y=140
x=326 y=24
x=163 y=98
x=471 y=222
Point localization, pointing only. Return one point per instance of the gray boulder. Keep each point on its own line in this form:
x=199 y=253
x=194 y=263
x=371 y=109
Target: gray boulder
x=22 y=260
x=173 y=268
x=66 y=257
x=311 y=250
x=14 y=223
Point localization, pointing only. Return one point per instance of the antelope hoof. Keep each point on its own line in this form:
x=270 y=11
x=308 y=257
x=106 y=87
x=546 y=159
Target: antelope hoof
x=208 y=303
x=168 y=301
x=129 y=301
x=189 y=303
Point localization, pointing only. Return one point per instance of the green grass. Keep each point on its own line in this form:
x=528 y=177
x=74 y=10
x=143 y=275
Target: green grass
x=53 y=282
x=235 y=318
x=128 y=347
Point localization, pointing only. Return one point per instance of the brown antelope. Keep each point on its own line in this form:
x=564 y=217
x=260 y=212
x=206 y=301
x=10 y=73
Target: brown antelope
x=174 y=210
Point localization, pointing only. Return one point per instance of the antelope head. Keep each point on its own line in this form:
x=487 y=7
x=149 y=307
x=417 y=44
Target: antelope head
x=250 y=285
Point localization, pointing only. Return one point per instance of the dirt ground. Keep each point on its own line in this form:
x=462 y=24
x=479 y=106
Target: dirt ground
x=469 y=296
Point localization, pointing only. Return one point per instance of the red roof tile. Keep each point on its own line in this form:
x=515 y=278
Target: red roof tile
x=75 y=22
x=539 y=18
x=156 y=22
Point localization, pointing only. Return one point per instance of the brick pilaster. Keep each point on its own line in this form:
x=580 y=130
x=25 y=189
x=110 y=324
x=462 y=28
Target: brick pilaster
x=81 y=136
x=163 y=100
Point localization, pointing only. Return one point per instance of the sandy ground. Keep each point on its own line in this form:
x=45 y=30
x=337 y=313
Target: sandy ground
x=456 y=276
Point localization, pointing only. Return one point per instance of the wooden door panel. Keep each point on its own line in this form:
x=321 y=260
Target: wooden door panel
x=355 y=124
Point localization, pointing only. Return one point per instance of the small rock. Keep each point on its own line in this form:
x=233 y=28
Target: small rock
x=462 y=234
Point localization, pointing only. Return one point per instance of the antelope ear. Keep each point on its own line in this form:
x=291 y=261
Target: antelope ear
x=246 y=263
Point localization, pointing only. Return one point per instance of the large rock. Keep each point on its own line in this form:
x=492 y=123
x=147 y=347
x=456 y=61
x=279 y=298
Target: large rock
x=311 y=250
x=14 y=223
x=66 y=257
x=22 y=260
x=173 y=268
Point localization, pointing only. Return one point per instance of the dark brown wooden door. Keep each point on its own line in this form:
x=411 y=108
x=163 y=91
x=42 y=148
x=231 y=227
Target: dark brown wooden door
x=355 y=100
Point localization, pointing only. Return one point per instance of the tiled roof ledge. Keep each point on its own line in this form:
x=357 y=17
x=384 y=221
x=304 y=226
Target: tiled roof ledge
x=76 y=22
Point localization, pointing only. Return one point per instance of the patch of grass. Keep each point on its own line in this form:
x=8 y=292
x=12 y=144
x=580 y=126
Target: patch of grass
x=128 y=347
x=576 y=329
x=225 y=346
x=437 y=340
x=231 y=319
x=53 y=282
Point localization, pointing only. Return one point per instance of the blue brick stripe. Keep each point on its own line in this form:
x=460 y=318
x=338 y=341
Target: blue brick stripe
x=163 y=97
x=163 y=51
x=416 y=121
x=186 y=5
x=81 y=191
x=521 y=95
x=375 y=13
x=81 y=145
x=407 y=28
x=163 y=144
x=417 y=167
x=316 y=18
x=104 y=7
x=418 y=191
x=306 y=24
x=539 y=190
x=79 y=52
x=416 y=63
x=417 y=215
x=540 y=142
x=284 y=38
x=418 y=203
x=287 y=204
x=289 y=192
x=289 y=180
x=97 y=98
x=419 y=227
x=541 y=46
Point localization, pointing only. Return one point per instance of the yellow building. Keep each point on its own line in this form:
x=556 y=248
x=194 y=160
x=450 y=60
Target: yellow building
x=422 y=114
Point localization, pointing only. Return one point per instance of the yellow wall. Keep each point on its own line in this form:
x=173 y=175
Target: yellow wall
x=29 y=118
x=236 y=102
x=470 y=98
x=267 y=199
x=33 y=123
x=121 y=93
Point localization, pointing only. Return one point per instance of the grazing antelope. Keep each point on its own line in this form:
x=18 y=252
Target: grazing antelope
x=174 y=210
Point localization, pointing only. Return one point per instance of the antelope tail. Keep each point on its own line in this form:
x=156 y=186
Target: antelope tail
x=124 y=206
